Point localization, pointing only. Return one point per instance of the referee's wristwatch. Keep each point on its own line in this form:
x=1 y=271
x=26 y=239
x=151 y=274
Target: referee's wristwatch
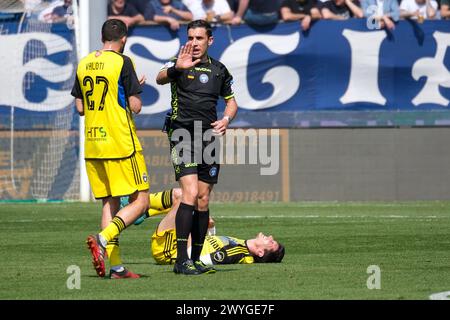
x=228 y=119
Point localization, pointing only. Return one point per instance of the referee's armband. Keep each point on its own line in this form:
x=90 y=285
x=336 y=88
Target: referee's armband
x=173 y=73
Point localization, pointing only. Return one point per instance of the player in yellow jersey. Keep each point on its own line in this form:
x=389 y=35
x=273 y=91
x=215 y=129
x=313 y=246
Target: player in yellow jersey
x=161 y=203
x=107 y=93
x=216 y=249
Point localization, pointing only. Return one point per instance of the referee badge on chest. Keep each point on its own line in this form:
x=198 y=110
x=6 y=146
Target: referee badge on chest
x=204 y=78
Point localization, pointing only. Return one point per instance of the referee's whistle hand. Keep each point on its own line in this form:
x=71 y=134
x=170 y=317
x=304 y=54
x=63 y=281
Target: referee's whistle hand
x=219 y=127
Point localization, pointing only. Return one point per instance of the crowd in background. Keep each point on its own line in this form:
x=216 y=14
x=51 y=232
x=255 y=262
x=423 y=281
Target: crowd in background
x=254 y=12
x=263 y=12
x=50 y=11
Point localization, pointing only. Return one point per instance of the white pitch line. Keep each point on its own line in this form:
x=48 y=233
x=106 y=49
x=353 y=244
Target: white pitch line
x=440 y=296
x=258 y=217
x=328 y=217
x=38 y=220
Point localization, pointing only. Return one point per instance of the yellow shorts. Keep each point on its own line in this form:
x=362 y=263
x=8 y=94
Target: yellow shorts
x=164 y=247
x=118 y=177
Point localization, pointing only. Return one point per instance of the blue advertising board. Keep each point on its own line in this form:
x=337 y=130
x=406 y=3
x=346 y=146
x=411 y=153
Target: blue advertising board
x=339 y=73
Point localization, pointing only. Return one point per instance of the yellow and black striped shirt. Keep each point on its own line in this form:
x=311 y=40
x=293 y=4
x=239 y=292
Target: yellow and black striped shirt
x=225 y=250
x=105 y=80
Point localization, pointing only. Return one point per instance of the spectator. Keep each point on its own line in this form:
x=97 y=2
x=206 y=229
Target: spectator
x=44 y=10
x=445 y=9
x=34 y=5
x=341 y=10
x=213 y=11
x=387 y=11
x=144 y=7
x=258 y=12
x=34 y=8
x=62 y=13
x=234 y=5
x=418 y=9
x=171 y=12
x=303 y=10
x=124 y=11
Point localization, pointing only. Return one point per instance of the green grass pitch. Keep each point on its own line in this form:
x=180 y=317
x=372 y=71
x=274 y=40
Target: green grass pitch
x=329 y=247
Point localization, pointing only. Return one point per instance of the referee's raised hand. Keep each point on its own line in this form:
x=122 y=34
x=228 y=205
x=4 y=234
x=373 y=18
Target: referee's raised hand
x=185 y=58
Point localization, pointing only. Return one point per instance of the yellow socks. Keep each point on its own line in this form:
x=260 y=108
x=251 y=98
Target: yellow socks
x=115 y=227
x=113 y=251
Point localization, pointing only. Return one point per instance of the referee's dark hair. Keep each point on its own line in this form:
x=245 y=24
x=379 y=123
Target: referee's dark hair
x=200 y=24
x=113 y=30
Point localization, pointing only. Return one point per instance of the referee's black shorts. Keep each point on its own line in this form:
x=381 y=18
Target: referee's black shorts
x=195 y=156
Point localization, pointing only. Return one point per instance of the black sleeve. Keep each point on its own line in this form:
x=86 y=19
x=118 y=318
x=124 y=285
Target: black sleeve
x=317 y=4
x=324 y=5
x=130 y=10
x=129 y=78
x=310 y=4
x=227 y=90
x=76 y=89
x=286 y=3
x=329 y=6
x=109 y=11
x=149 y=12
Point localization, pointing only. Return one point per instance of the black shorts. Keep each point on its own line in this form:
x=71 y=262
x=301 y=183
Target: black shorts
x=194 y=152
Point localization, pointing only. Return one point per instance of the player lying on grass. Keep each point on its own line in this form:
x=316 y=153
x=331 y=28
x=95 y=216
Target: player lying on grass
x=216 y=249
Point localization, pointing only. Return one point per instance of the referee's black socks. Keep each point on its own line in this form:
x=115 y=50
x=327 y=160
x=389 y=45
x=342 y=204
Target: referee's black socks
x=183 y=225
x=199 y=229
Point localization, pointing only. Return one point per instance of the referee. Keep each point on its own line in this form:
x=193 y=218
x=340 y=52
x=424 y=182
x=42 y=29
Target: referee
x=197 y=81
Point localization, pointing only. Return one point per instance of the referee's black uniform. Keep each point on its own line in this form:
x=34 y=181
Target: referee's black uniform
x=195 y=93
